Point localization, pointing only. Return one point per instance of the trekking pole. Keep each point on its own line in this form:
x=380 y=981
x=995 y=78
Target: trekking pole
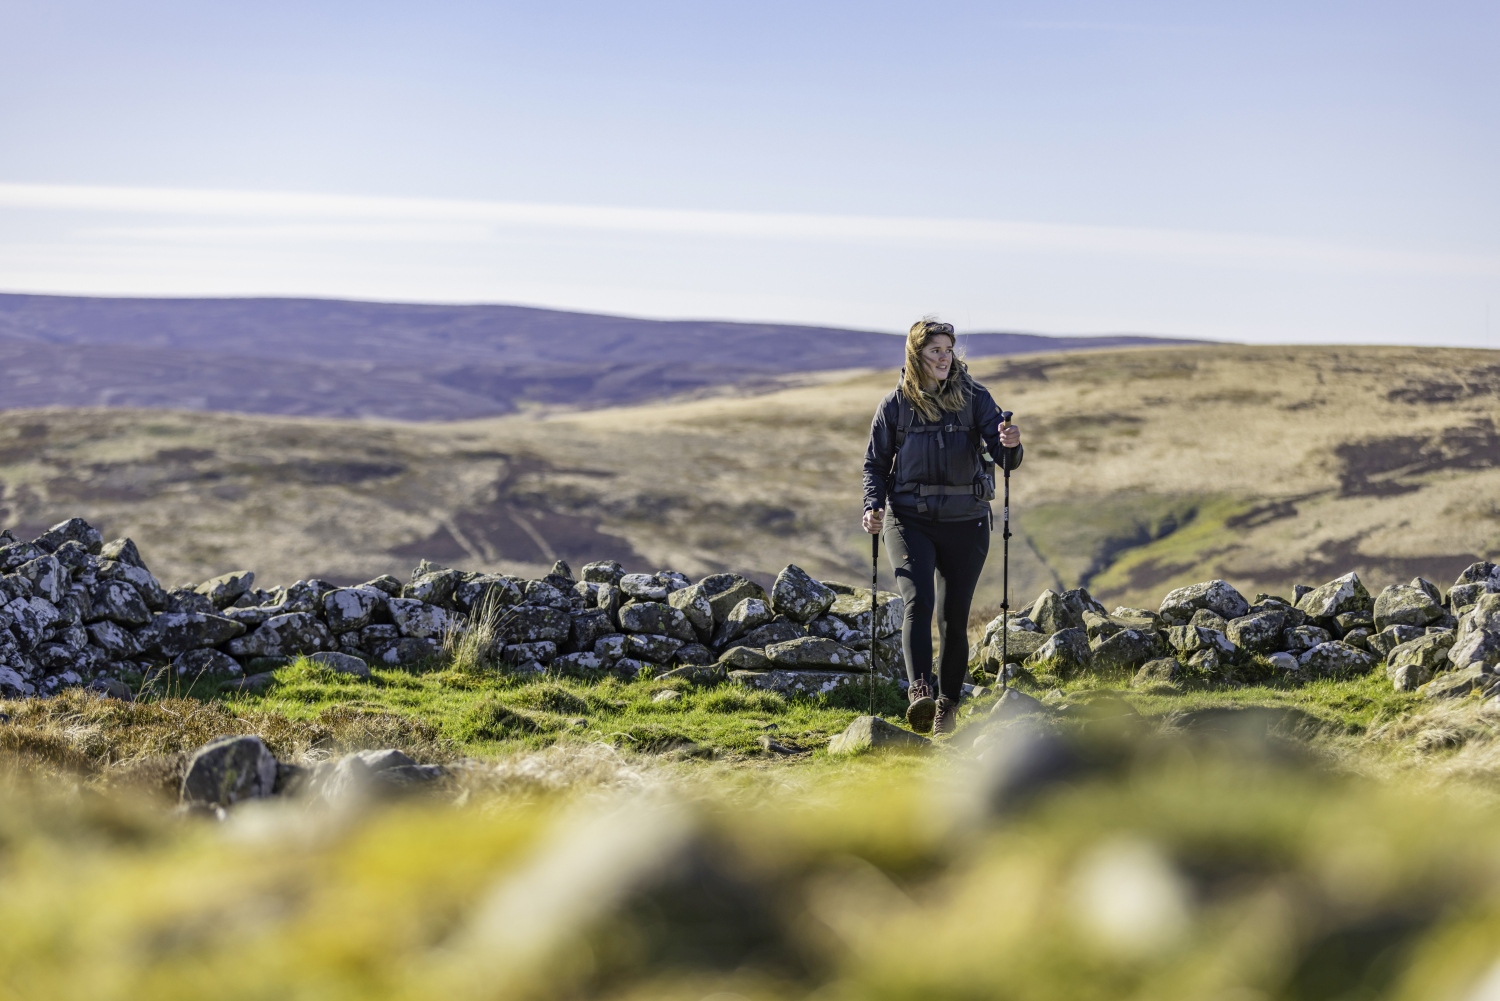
x=1005 y=416
x=874 y=579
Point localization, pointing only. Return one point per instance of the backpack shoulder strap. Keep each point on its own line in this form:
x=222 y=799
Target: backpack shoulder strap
x=903 y=419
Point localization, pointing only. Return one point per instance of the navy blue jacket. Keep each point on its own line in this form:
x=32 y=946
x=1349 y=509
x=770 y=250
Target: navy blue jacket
x=934 y=456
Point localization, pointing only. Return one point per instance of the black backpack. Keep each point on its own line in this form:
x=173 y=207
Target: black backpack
x=983 y=486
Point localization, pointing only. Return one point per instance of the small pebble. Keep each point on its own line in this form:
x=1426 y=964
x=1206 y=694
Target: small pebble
x=667 y=696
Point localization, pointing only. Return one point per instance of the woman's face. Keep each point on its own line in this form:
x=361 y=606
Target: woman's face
x=937 y=357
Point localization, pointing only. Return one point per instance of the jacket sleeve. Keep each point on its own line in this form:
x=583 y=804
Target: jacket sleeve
x=879 y=453
x=989 y=428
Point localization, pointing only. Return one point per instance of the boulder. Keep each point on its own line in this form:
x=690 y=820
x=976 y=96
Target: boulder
x=603 y=572
x=800 y=598
x=698 y=674
x=1257 y=632
x=588 y=626
x=433 y=585
x=229 y=770
x=852 y=606
x=869 y=733
x=726 y=590
x=693 y=603
x=179 y=632
x=653 y=649
x=1303 y=638
x=1458 y=683
x=384 y=774
x=779 y=630
x=48 y=578
x=611 y=647
x=644 y=587
x=1064 y=654
x=117 y=601
x=790 y=683
x=1207 y=618
x=344 y=663
x=1190 y=639
x=517 y=654
x=122 y=551
x=1345 y=594
x=226 y=589
x=17 y=553
x=579 y=665
x=1284 y=663
x=1476 y=648
x=1387 y=639
x=347 y=608
x=744 y=658
x=1219 y=596
x=748 y=614
x=1052 y=615
x=193 y=664
x=1480 y=573
x=73 y=530
x=658 y=619
x=1335 y=659
x=486 y=592
x=283 y=635
x=1465 y=596
x=1162 y=670
x=421 y=620
x=836 y=629
x=110 y=637
x=1099 y=627
x=1406 y=605
x=1125 y=650
x=814 y=652
x=548 y=595
x=695 y=654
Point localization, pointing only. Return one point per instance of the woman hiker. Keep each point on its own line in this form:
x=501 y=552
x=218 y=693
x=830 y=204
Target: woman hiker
x=927 y=456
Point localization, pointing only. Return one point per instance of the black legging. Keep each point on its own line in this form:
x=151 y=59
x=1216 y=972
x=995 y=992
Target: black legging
x=953 y=552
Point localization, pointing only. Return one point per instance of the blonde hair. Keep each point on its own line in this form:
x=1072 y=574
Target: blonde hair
x=953 y=392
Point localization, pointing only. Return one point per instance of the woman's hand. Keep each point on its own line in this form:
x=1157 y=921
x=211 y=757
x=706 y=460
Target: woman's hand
x=874 y=520
x=1010 y=435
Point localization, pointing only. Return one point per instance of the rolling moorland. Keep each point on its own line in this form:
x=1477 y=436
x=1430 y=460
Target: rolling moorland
x=1146 y=468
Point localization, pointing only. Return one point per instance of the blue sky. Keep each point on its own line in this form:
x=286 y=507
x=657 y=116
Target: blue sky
x=1258 y=171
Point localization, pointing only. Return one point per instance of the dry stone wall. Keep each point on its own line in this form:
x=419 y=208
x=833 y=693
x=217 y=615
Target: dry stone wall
x=1439 y=643
x=75 y=610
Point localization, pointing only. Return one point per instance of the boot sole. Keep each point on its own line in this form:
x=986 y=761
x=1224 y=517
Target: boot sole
x=919 y=715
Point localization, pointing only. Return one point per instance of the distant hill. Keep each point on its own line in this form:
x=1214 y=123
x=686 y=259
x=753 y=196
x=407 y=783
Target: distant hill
x=334 y=358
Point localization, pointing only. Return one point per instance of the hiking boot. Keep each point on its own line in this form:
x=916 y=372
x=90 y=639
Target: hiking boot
x=920 y=711
x=946 y=720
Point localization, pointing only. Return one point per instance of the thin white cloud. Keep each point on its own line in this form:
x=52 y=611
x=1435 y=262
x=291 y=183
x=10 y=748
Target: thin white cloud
x=292 y=209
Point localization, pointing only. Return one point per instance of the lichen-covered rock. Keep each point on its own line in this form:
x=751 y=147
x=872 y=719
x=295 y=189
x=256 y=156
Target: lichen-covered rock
x=693 y=654
x=17 y=553
x=726 y=590
x=343 y=663
x=588 y=626
x=745 y=616
x=229 y=770
x=745 y=658
x=1162 y=670
x=1064 y=654
x=1345 y=594
x=1219 y=596
x=833 y=628
x=1336 y=659
x=1258 y=632
x=654 y=649
x=1405 y=605
x=205 y=663
x=657 y=618
x=627 y=668
x=868 y=733
x=1014 y=647
x=779 y=630
x=548 y=595
x=517 y=654
x=1190 y=639
x=812 y=652
x=117 y=601
x=421 y=620
x=852 y=606
x=698 y=674
x=30 y=619
x=1464 y=597
x=123 y=551
x=73 y=530
x=115 y=640
x=281 y=635
x=486 y=592
x=1383 y=642
x=1303 y=638
x=644 y=587
x=1051 y=614
x=49 y=579
x=179 y=632
x=797 y=596
x=347 y=608
x=1480 y=573
x=1476 y=648
x=693 y=603
x=1429 y=650
x=13 y=686
x=226 y=589
x=611 y=647
x=432 y=584
x=579 y=665
x=603 y=572
x=149 y=588
x=1458 y=683
x=1125 y=650
x=1207 y=618
x=1284 y=663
